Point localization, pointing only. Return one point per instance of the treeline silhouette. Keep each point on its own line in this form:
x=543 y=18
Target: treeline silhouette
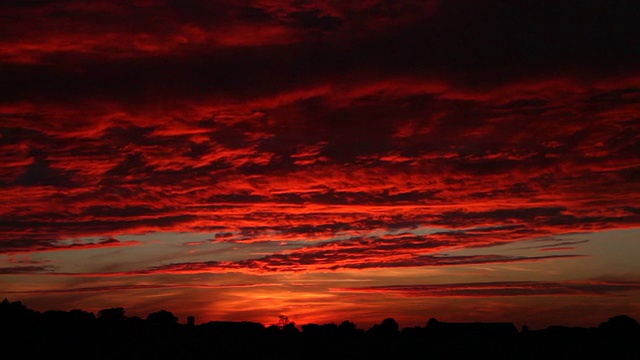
x=110 y=334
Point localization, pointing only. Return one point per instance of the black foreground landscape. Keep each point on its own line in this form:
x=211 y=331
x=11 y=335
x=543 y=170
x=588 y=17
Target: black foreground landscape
x=110 y=334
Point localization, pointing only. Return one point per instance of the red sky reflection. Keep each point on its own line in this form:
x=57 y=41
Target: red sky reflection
x=326 y=160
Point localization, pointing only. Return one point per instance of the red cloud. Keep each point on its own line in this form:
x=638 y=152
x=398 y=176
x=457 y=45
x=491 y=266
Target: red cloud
x=493 y=289
x=310 y=139
x=312 y=123
x=140 y=287
x=10 y=246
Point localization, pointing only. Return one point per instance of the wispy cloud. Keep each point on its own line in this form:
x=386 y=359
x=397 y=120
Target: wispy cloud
x=498 y=289
x=109 y=288
x=343 y=131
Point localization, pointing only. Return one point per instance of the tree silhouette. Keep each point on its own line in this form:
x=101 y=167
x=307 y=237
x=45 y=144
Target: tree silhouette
x=388 y=327
x=162 y=318
x=112 y=314
x=347 y=327
x=283 y=321
x=110 y=335
x=620 y=324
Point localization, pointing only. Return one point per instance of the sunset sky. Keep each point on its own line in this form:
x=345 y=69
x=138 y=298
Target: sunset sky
x=324 y=160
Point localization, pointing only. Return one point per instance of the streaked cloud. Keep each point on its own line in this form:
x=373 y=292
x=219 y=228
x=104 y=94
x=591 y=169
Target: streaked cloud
x=499 y=289
x=313 y=137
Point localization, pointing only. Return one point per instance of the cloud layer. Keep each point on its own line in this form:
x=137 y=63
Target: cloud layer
x=323 y=136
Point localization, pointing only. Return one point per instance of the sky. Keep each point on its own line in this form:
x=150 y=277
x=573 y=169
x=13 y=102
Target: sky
x=323 y=160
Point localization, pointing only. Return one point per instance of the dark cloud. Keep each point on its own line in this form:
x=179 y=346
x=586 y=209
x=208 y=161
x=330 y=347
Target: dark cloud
x=318 y=138
x=551 y=244
x=32 y=269
x=31 y=245
x=40 y=173
x=498 y=289
x=139 y=287
x=405 y=250
x=508 y=42
x=317 y=121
